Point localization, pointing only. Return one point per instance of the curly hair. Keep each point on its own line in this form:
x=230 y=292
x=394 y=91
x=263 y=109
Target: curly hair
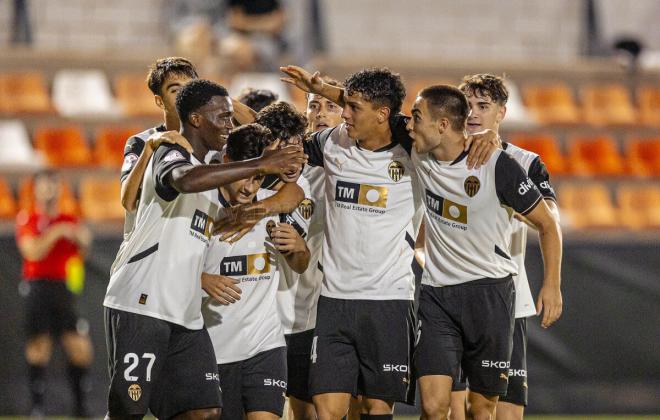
x=195 y=95
x=485 y=85
x=448 y=102
x=379 y=86
x=283 y=120
x=248 y=142
x=257 y=99
x=162 y=68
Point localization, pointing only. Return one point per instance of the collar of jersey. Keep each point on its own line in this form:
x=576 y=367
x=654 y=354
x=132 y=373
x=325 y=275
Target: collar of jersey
x=382 y=149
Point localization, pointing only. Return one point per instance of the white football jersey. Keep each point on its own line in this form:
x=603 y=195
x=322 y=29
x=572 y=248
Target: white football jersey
x=535 y=169
x=298 y=294
x=370 y=205
x=157 y=272
x=468 y=216
x=251 y=325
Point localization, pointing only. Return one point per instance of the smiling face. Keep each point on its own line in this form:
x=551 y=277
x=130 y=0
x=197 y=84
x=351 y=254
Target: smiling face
x=425 y=130
x=322 y=113
x=242 y=191
x=294 y=174
x=484 y=113
x=214 y=121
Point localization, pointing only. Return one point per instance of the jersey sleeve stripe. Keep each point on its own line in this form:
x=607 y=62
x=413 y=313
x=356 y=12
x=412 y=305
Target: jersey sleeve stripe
x=530 y=208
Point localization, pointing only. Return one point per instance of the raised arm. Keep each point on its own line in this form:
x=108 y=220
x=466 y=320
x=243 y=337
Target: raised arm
x=312 y=83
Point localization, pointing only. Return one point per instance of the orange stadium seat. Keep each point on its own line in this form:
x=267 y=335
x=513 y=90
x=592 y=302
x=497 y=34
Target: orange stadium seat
x=109 y=145
x=596 y=155
x=608 y=104
x=643 y=156
x=639 y=206
x=24 y=93
x=414 y=86
x=551 y=103
x=7 y=202
x=100 y=199
x=133 y=95
x=63 y=146
x=546 y=146
x=648 y=98
x=587 y=206
x=67 y=203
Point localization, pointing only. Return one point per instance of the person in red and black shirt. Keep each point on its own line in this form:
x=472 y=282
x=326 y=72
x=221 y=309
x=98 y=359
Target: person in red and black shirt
x=52 y=245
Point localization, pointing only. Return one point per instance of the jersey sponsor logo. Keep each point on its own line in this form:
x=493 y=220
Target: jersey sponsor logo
x=143 y=299
x=396 y=170
x=201 y=226
x=245 y=265
x=306 y=208
x=387 y=367
x=547 y=186
x=211 y=376
x=498 y=364
x=362 y=194
x=518 y=372
x=275 y=382
x=471 y=186
x=135 y=392
x=129 y=161
x=446 y=209
x=173 y=155
x=525 y=186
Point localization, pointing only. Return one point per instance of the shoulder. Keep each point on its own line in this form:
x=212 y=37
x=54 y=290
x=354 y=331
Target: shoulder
x=522 y=156
x=171 y=153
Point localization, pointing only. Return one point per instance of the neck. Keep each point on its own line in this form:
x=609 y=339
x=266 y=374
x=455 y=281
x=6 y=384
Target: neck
x=171 y=122
x=225 y=194
x=377 y=139
x=450 y=147
x=199 y=147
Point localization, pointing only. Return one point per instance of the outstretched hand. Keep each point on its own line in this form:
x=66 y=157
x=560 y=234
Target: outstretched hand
x=302 y=79
x=170 y=137
x=236 y=221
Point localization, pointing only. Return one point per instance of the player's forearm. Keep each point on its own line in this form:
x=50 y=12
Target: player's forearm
x=192 y=179
x=332 y=93
x=285 y=200
x=550 y=239
x=130 y=188
x=243 y=113
x=298 y=261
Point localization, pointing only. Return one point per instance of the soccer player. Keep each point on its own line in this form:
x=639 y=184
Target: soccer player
x=160 y=355
x=166 y=77
x=52 y=246
x=487 y=96
x=247 y=335
x=467 y=297
x=298 y=293
x=364 y=325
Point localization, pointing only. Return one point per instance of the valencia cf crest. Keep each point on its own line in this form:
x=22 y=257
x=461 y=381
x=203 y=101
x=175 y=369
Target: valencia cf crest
x=472 y=186
x=269 y=228
x=395 y=170
x=135 y=392
x=306 y=208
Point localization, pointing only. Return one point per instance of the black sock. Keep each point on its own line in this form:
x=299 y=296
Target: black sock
x=37 y=384
x=376 y=416
x=80 y=387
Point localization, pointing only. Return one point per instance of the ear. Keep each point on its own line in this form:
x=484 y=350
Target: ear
x=443 y=125
x=383 y=114
x=159 y=101
x=195 y=119
x=501 y=113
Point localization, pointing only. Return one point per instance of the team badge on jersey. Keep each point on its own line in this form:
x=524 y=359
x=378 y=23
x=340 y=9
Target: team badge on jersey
x=472 y=185
x=245 y=265
x=173 y=155
x=306 y=208
x=135 y=392
x=395 y=170
x=129 y=161
x=364 y=194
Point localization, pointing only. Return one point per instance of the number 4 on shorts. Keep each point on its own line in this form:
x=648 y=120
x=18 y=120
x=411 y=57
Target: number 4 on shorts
x=314 y=356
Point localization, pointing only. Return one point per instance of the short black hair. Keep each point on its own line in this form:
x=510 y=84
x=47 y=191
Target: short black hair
x=247 y=142
x=448 y=102
x=486 y=85
x=164 y=67
x=378 y=85
x=195 y=95
x=257 y=99
x=282 y=119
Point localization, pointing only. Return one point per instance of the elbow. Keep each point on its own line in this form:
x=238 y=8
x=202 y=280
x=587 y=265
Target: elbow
x=128 y=205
